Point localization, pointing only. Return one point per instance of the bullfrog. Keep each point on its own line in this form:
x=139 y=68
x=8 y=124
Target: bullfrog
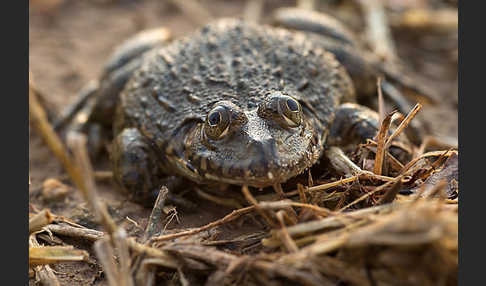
x=234 y=103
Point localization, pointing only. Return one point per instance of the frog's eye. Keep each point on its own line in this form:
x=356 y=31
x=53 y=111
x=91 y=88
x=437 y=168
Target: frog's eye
x=214 y=118
x=281 y=108
x=290 y=110
x=217 y=122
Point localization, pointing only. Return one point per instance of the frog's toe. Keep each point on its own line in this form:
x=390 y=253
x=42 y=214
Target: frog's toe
x=352 y=125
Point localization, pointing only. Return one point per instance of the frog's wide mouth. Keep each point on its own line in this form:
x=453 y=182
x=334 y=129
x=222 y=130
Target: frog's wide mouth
x=204 y=170
x=251 y=170
x=262 y=176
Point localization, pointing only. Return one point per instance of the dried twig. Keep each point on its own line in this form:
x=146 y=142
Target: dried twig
x=363 y=176
x=155 y=219
x=381 y=101
x=391 y=194
x=230 y=217
x=71 y=231
x=104 y=252
x=43 y=272
x=341 y=162
x=124 y=260
x=395 y=164
x=265 y=214
x=403 y=124
x=55 y=254
x=38 y=116
x=77 y=143
x=167 y=260
x=445 y=153
x=338 y=220
x=154 y=225
x=302 y=196
x=287 y=203
x=278 y=189
x=38 y=221
x=378 y=189
x=81 y=174
x=286 y=239
x=381 y=139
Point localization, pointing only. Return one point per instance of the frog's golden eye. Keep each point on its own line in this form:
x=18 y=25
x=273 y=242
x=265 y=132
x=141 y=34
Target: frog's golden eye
x=217 y=122
x=290 y=110
x=281 y=108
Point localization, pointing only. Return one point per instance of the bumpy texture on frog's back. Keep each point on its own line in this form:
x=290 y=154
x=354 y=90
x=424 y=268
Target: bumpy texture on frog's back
x=233 y=61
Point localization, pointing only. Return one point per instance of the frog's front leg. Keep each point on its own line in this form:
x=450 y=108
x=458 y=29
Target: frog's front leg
x=135 y=167
x=138 y=171
x=354 y=124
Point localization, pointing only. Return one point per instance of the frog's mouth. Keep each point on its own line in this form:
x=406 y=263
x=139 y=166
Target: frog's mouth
x=259 y=172
x=246 y=160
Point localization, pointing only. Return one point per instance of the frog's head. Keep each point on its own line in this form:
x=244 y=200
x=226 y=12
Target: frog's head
x=260 y=147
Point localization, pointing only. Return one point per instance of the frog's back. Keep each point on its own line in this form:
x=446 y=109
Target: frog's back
x=229 y=60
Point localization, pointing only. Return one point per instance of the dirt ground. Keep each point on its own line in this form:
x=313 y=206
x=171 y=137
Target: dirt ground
x=69 y=42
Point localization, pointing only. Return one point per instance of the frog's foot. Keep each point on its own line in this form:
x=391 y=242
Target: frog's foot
x=135 y=167
x=354 y=124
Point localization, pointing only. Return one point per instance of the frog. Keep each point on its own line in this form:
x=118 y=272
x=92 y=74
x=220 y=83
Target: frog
x=233 y=103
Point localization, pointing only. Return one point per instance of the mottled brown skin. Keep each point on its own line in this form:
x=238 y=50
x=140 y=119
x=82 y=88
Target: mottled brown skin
x=232 y=103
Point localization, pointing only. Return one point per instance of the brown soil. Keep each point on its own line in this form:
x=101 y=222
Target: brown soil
x=68 y=44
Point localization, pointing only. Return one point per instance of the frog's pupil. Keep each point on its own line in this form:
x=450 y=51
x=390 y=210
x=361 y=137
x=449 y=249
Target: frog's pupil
x=214 y=118
x=292 y=104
